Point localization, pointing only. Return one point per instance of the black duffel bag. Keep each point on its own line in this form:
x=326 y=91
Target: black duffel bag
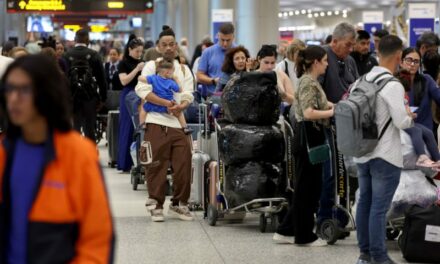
x=241 y=143
x=420 y=241
x=252 y=98
x=252 y=180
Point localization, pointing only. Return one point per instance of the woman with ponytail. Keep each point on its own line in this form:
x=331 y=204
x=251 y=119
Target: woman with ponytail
x=129 y=70
x=312 y=112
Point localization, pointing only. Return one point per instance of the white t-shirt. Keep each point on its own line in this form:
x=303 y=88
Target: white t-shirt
x=290 y=69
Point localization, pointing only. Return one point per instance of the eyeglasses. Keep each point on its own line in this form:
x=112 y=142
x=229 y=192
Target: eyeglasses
x=411 y=61
x=23 y=90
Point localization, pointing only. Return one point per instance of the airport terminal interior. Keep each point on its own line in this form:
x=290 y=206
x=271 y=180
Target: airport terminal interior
x=236 y=154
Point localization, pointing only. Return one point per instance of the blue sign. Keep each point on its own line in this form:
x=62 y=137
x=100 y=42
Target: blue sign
x=417 y=26
x=371 y=28
x=215 y=29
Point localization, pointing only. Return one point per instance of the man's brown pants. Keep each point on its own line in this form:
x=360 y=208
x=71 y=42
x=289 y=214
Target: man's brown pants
x=168 y=145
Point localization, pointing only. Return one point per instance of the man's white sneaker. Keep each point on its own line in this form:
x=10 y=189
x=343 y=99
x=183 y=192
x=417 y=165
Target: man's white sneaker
x=157 y=215
x=151 y=204
x=283 y=239
x=182 y=212
x=317 y=243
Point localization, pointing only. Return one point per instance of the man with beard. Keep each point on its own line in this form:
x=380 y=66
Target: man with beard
x=361 y=53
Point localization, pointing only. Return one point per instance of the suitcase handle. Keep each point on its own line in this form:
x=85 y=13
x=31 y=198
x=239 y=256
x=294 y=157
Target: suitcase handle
x=203 y=108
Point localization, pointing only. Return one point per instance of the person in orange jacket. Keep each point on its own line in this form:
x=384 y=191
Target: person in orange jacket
x=53 y=203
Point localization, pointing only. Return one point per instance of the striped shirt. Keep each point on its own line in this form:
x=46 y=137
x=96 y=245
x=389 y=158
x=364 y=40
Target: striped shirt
x=389 y=104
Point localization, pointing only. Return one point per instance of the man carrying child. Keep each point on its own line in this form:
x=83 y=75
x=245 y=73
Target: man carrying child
x=164 y=132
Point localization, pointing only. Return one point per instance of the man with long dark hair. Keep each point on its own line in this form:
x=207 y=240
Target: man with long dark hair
x=53 y=202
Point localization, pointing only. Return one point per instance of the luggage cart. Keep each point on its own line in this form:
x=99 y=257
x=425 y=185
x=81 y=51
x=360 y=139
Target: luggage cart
x=132 y=102
x=216 y=204
x=330 y=229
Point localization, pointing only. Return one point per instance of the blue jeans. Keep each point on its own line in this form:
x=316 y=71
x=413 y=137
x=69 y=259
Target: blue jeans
x=378 y=180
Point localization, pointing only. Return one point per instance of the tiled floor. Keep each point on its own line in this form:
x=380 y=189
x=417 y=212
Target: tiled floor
x=141 y=241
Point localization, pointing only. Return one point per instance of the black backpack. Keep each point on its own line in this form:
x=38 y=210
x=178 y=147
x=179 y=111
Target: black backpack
x=83 y=84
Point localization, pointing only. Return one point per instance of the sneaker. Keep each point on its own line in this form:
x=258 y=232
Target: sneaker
x=283 y=239
x=317 y=243
x=182 y=211
x=157 y=215
x=151 y=204
x=364 y=259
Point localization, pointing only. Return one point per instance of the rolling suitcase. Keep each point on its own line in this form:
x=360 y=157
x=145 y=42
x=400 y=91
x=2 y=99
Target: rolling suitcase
x=112 y=137
x=198 y=164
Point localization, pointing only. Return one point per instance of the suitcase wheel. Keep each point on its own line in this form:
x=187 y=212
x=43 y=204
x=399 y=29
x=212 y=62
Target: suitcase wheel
x=274 y=222
x=212 y=215
x=330 y=231
x=392 y=233
x=263 y=223
x=134 y=179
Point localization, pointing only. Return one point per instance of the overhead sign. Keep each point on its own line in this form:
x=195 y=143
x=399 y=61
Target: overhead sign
x=39 y=5
x=220 y=16
x=422 y=19
x=373 y=21
x=64 y=6
x=372 y=17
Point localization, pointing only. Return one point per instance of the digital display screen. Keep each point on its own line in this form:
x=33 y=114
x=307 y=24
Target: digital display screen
x=39 y=24
x=136 y=22
x=67 y=6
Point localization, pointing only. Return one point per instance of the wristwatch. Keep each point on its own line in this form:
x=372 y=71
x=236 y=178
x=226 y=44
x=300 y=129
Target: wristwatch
x=213 y=81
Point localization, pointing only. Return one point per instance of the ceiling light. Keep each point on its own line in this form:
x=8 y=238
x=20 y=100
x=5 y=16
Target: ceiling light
x=285 y=14
x=322 y=14
x=388 y=23
x=344 y=11
x=344 y=15
x=309 y=11
x=303 y=12
x=310 y=15
x=337 y=12
x=297 y=12
x=280 y=15
x=329 y=13
x=316 y=15
x=290 y=13
x=407 y=21
x=360 y=24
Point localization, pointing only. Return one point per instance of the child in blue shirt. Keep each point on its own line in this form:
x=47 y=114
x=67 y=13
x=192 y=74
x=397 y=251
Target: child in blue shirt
x=165 y=85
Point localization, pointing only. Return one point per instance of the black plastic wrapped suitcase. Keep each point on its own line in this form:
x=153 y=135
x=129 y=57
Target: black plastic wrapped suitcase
x=420 y=239
x=112 y=137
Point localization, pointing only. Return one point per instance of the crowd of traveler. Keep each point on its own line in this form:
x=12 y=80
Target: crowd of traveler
x=38 y=129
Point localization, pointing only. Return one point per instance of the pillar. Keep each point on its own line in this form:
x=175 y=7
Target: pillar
x=256 y=23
